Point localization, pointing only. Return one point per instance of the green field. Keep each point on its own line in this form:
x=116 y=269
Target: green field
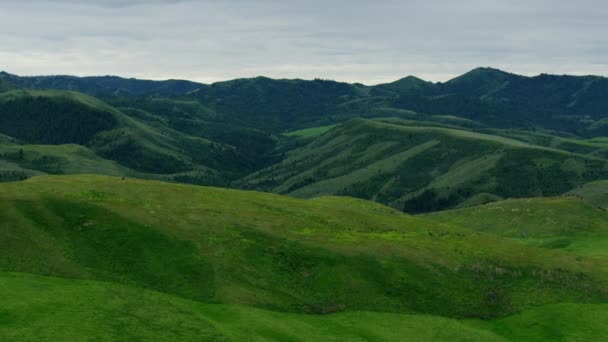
x=83 y=310
x=565 y=223
x=369 y=267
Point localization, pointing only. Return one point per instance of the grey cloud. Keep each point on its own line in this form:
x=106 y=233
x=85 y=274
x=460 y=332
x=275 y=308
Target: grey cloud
x=366 y=41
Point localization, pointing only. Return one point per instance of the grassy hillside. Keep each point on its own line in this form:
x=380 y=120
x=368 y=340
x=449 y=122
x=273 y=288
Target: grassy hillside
x=87 y=309
x=560 y=322
x=595 y=193
x=104 y=86
x=596 y=147
x=316 y=256
x=56 y=159
x=556 y=223
x=98 y=310
x=418 y=168
x=230 y=249
x=310 y=132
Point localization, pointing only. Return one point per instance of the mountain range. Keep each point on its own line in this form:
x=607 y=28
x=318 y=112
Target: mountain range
x=425 y=146
x=305 y=210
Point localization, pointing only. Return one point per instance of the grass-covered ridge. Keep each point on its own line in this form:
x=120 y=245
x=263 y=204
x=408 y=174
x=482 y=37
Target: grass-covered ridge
x=595 y=193
x=87 y=309
x=565 y=223
x=99 y=310
x=310 y=132
x=315 y=256
x=417 y=168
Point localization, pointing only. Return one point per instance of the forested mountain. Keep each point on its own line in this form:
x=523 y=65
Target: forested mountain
x=103 y=85
x=575 y=104
x=143 y=147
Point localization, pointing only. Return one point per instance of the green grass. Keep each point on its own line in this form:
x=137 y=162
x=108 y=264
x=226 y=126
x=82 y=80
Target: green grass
x=318 y=256
x=60 y=159
x=53 y=309
x=152 y=260
x=560 y=322
x=310 y=132
x=558 y=223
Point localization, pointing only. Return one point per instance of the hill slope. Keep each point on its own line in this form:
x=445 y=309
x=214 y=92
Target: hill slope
x=316 y=256
x=97 y=310
x=418 y=168
x=141 y=147
x=87 y=309
x=557 y=223
x=595 y=193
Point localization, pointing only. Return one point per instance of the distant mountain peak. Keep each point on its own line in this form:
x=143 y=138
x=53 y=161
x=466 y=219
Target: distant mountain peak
x=481 y=74
x=407 y=83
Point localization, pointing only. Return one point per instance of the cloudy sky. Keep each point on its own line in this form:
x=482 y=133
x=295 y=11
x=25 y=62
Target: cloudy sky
x=354 y=40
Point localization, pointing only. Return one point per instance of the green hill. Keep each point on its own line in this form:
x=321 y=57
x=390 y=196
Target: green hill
x=85 y=310
x=595 y=193
x=417 y=167
x=556 y=223
x=216 y=257
x=315 y=256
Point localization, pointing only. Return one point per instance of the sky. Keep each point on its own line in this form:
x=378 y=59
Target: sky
x=369 y=42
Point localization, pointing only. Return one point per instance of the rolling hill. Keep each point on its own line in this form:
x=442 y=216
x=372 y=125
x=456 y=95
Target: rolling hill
x=224 y=264
x=419 y=167
x=87 y=309
x=595 y=193
x=316 y=256
x=40 y=126
x=563 y=223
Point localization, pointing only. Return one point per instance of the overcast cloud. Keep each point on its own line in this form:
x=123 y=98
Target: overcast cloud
x=354 y=41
